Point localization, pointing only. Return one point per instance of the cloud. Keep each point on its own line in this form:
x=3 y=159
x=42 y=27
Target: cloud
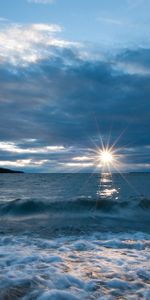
x=20 y=163
x=78 y=165
x=56 y=103
x=110 y=21
x=22 y=44
x=83 y=158
x=14 y=148
x=41 y=1
x=46 y=27
x=134 y=62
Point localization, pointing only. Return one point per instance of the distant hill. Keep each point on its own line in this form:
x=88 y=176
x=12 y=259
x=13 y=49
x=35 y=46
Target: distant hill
x=4 y=170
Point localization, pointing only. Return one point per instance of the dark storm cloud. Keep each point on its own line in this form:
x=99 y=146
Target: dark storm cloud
x=69 y=100
x=139 y=56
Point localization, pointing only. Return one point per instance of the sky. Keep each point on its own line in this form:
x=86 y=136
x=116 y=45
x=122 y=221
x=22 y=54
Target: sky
x=74 y=75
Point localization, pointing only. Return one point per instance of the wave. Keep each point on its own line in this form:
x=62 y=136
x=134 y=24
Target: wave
x=82 y=205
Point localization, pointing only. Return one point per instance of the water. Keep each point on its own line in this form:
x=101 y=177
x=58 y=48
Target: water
x=74 y=236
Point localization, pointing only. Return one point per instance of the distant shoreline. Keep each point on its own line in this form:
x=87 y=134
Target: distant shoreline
x=4 y=171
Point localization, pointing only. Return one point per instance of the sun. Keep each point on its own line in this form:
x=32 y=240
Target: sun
x=106 y=157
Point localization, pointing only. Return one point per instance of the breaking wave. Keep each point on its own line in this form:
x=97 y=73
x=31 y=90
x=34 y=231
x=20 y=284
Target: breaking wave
x=83 y=204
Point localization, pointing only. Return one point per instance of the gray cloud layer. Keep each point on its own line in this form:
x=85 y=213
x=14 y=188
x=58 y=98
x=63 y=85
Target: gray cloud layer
x=70 y=99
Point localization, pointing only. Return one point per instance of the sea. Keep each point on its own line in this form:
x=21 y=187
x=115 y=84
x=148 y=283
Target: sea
x=75 y=236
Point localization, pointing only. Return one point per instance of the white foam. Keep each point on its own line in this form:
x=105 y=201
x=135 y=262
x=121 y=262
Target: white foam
x=97 y=266
x=57 y=295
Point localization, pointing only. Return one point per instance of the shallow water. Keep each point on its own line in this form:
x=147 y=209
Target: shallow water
x=81 y=236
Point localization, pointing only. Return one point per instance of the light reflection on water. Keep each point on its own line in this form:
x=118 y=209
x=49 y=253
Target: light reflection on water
x=106 y=188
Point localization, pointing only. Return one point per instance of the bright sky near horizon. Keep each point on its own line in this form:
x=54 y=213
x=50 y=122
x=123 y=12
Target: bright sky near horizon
x=73 y=73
